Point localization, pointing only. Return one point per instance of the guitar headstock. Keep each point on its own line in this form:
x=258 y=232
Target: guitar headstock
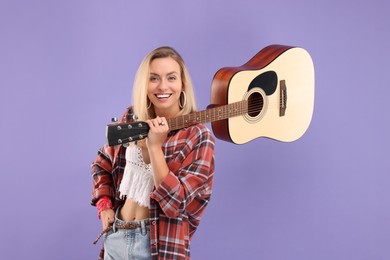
x=125 y=133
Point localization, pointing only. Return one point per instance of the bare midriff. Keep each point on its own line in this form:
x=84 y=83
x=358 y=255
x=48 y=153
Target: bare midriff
x=131 y=211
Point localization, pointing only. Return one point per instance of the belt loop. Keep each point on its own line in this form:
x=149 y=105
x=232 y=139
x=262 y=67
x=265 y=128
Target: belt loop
x=113 y=226
x=115 y=219
x=143 y=227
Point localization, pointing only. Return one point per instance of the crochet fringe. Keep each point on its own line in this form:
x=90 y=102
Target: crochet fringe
x=137 y=182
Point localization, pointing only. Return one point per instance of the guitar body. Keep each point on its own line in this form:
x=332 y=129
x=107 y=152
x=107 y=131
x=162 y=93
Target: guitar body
x=278 y=83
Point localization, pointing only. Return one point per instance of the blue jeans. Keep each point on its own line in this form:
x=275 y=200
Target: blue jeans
x=128 y=244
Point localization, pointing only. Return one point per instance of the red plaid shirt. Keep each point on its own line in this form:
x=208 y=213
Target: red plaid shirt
x=179 y=202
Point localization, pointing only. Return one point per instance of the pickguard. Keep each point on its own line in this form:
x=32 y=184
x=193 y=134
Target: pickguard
x=268 y=81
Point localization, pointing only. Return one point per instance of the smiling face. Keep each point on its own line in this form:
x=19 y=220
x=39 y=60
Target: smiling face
x=165 y=86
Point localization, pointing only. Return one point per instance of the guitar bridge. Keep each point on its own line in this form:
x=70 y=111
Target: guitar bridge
x=283 y=98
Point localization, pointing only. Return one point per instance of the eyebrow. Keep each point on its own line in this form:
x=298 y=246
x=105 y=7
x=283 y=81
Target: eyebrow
x=169 y=73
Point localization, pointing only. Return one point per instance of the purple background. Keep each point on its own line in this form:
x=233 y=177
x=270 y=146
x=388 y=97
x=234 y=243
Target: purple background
x=66 y=68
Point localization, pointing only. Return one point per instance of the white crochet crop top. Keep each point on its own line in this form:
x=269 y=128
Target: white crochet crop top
x=137 y=182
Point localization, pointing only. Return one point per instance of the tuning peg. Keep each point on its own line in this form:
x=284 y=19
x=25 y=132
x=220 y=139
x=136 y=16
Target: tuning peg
x=132 y=117
x=114 y=119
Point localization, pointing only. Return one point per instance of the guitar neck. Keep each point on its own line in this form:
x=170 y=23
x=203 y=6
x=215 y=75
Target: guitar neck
x=209 y=115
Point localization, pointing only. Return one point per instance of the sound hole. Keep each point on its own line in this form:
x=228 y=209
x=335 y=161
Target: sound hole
x=255 y=104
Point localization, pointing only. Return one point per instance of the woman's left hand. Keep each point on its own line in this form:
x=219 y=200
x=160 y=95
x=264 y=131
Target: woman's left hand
x=158 y=132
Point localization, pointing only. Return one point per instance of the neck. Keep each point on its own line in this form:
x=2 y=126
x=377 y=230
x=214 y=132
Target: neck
x=167 y=114
x=214 y=113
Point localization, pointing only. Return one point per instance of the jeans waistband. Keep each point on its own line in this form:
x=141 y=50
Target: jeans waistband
x=129 y=225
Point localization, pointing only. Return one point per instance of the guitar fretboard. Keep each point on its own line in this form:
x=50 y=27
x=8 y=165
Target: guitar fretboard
x=209 y=115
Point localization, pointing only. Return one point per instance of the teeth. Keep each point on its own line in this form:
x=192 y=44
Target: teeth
x=163 y=95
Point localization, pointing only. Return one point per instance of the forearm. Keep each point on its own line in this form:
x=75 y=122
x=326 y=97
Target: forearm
x=103 y=204
x=159 y=165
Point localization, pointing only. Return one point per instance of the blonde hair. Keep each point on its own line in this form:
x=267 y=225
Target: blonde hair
x=140 y=99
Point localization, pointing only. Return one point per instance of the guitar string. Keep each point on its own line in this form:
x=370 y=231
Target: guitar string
x=223 y=112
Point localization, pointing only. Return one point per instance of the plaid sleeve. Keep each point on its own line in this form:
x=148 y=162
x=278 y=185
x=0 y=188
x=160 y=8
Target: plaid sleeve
x=101 y=175
x=188 y=187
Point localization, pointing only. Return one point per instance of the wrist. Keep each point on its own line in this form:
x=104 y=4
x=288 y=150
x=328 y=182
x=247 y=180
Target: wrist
x=155 y=149
x=103 y=204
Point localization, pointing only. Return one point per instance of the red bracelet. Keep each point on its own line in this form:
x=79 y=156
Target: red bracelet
x=102 y=204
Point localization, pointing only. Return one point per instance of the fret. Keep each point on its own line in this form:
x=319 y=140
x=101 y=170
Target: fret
x=197 y=117
x=209 y=115
x=218 y=110
x=170 y=122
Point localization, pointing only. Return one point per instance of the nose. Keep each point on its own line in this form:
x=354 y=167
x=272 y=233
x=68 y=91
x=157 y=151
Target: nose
x=163 y=84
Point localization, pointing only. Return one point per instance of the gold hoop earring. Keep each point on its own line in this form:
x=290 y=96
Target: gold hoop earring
x=150 y=104
x=182 y=104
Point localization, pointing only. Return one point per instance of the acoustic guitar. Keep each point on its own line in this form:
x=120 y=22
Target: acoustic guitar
x=272 y=95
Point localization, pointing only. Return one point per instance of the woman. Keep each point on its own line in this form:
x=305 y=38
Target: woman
x=154 y=192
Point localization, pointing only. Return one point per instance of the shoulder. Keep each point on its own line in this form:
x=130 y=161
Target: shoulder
x=196 y=139
x=203 y=130
x=112 y=152
x=197 y=133
x=128 y=115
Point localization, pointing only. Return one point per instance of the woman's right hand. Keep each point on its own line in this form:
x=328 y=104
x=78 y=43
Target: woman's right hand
x=107 y=216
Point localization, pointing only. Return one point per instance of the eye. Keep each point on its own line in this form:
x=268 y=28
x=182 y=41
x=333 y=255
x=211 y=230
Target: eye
x=172 y=78
x=153 y=78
